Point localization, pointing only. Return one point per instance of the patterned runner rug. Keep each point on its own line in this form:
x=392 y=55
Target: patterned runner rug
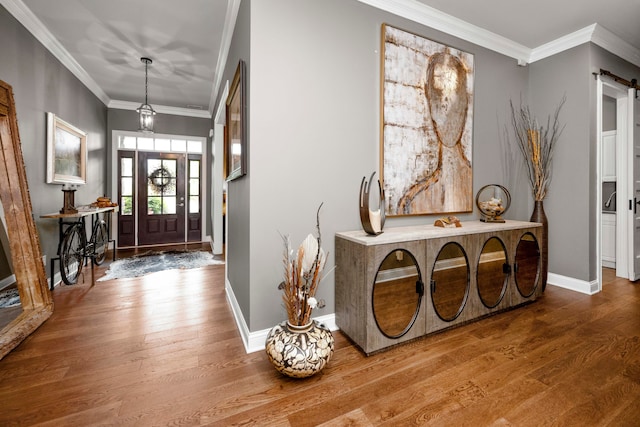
x=158 y=261
x=9 y=298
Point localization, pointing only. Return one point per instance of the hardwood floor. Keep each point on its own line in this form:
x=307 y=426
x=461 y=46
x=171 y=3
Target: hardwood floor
x=164 y=350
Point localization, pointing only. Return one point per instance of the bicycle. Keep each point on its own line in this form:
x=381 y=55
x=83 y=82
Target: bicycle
x=75 y=249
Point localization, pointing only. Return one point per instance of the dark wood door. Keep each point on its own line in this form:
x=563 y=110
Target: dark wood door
x=161 y=198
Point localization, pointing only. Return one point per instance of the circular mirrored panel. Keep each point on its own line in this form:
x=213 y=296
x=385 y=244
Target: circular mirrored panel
x=527 y=264
x=397 y=293
x=493 y=272
x=450 y=281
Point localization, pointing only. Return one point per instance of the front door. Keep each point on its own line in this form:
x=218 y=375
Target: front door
x=161 y=198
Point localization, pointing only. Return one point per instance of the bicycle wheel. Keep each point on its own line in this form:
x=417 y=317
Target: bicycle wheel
x=100 y=242
x=71 y=254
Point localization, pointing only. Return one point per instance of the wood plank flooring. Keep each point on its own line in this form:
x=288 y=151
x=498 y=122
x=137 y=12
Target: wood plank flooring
x=164 y=350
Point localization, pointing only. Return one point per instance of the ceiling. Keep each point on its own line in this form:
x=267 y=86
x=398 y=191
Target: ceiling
x=102 y=42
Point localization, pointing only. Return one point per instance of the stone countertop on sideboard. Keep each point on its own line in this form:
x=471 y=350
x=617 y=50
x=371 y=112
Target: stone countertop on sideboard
x=429 y=231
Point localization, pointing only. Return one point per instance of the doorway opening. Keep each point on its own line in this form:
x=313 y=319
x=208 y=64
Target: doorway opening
x=615 y=192
x=159 y=181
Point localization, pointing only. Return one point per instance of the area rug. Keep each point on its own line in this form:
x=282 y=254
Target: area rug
x=9 y=298
x=158 y=261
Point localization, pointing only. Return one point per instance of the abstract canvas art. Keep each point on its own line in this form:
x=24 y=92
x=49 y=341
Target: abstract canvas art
x=427 y=125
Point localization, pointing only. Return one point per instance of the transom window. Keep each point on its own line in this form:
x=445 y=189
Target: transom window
x=159 y=144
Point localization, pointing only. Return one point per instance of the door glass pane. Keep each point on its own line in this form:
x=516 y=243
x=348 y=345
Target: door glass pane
x=163 y=145
x=170 y=165
x=145 y=143
x=169 y=205
x=126 y=164
x=154 y=205
x=194 y=204
x=126 y=205
x=128 y=142
x=194 y=168
x=194 y=146
x=178 y=145
x=169 y=188
x=126 y=186
x=153 y=164
x=194 y=187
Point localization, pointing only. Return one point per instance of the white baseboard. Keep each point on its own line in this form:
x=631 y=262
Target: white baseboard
x=254 y=341
x=7 y=281
x=572 y=284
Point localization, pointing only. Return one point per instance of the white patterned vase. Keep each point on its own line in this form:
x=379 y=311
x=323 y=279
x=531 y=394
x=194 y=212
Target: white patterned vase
x=299 y=351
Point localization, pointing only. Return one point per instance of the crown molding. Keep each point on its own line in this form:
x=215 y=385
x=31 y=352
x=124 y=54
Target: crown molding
x=614 y=44
x=162 y=109
x=433 y=18
x=563 y=43
x=233 y=6
x=24 y=15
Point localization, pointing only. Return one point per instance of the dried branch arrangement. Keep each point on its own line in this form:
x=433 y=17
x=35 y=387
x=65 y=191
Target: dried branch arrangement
x=302 y=271
x=537 y=143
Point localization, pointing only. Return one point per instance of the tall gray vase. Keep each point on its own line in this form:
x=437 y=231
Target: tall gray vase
x=538 y=215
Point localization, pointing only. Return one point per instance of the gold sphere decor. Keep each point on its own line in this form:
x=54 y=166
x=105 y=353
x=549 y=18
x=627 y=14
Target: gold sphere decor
x=493 y=200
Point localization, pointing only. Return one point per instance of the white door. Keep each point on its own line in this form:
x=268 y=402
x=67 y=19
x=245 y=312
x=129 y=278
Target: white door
x=634 y=136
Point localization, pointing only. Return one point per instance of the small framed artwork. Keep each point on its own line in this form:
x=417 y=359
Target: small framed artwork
x=66 y=152
x=235 y=145
x=427 y=125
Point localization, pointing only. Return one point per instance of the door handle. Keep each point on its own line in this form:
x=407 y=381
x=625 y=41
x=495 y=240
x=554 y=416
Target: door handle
x=181 y=204
x=635 y=203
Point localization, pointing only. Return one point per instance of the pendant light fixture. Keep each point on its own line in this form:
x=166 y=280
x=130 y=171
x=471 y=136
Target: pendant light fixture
x=145 y=110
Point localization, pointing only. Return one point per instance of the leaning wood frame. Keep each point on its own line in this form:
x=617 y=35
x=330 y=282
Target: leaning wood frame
x=26 y=255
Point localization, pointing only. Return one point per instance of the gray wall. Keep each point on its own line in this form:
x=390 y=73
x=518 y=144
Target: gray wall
x=41 y=84
x=314 y=130
x=569 y=200
x=238 y=211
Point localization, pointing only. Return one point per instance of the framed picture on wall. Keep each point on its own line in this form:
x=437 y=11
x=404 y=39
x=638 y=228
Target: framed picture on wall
x=427 y=125
x=66 y=152
x=235 y=145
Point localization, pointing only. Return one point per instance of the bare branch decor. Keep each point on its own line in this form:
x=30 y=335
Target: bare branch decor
x=537 y=143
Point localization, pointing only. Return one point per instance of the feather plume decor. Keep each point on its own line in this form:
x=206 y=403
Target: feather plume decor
x=537 y=143
x=302 y=275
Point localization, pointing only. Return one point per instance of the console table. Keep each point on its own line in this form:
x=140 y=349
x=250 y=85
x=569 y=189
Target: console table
x=79 y=218
x=412 y=281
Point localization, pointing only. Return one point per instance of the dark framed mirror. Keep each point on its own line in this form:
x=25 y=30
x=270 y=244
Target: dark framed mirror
x=527 y=265
x=397 y=293
x=450 y=281
x=25 y=252
x=493 y=272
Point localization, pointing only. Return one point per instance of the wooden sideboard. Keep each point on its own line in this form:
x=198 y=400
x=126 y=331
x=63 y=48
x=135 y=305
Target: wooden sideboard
x=412 y=281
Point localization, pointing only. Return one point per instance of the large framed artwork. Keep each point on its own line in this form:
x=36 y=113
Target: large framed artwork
x=427 y=125
x=66 y=152
x=235 y=146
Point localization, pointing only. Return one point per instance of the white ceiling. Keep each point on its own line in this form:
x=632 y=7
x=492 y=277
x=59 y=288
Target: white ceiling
x=101 y=41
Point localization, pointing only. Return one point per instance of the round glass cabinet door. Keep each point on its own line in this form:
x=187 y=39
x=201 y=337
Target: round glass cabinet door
x=397 y=292
x=450 y=282
x=493 y=272
x=527 y=265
